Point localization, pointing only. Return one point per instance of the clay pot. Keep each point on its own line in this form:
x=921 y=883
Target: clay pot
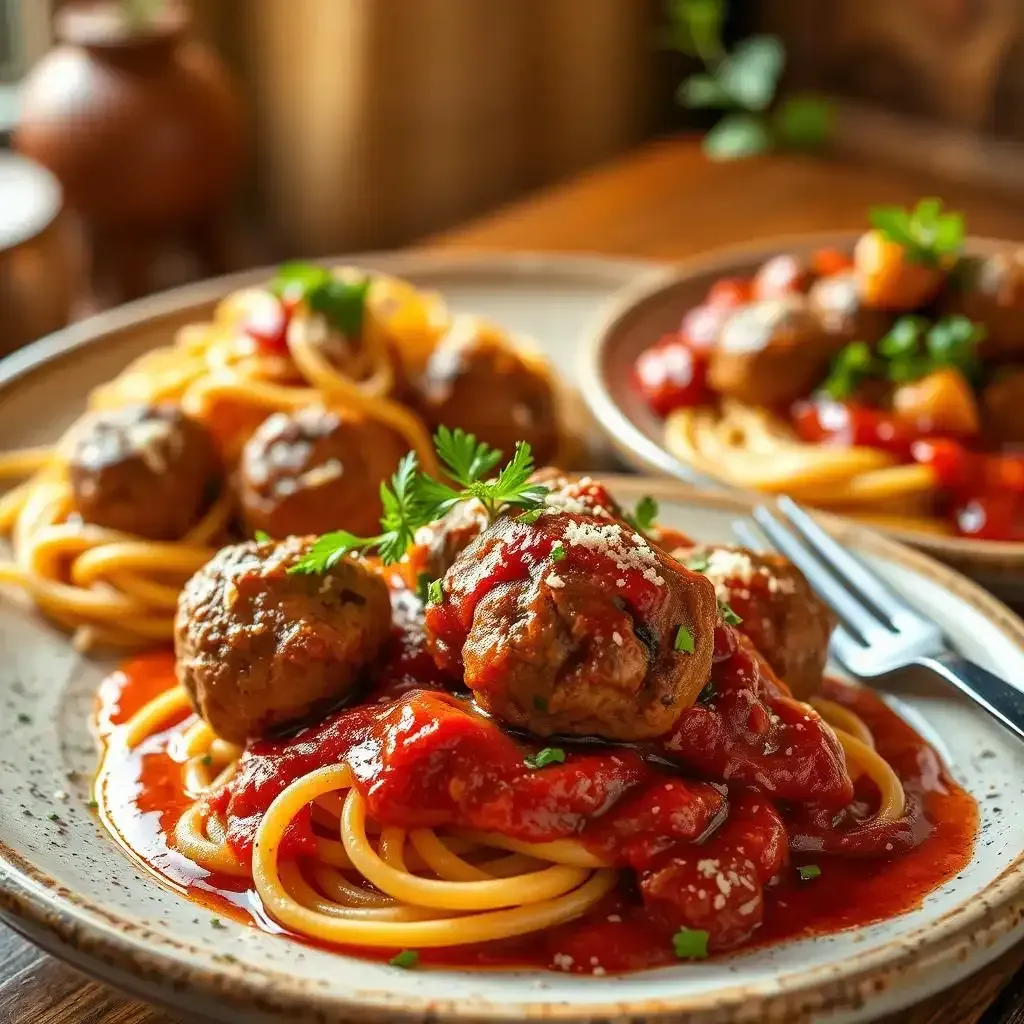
x=140 y=123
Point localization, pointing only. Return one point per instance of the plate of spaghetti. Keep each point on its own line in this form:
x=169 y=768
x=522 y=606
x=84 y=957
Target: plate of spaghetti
x=524 y=744
x=875 y=376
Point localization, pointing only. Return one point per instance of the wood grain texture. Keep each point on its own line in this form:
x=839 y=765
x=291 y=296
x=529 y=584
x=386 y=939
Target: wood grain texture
x=664 y=202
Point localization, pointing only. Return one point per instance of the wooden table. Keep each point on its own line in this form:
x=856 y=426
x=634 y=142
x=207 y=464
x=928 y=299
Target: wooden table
x=664 y=202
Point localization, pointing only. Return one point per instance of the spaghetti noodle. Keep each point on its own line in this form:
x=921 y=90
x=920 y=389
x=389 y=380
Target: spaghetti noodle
x=367 y=884
x=255 y=357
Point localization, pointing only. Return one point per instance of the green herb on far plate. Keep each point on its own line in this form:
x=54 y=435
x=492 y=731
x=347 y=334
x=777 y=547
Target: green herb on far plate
x=928 y=234
x=850 y=368
x=341 y=301
x=643 y=516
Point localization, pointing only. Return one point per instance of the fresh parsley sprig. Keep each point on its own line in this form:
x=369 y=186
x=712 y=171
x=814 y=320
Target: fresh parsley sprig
x=467 y=460
x=341 y=301
x=929 y=235
x=404 y=513
x=413 y=499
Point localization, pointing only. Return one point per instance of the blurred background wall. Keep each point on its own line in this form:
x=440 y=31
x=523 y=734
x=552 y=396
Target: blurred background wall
x=377 y=121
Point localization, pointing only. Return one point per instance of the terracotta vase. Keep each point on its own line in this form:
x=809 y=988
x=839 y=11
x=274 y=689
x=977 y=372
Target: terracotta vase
x=142 y=127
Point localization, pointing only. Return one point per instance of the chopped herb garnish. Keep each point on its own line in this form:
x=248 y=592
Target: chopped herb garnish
x=540 y=703
x=852 y=365
x=549 y=755
x=644 y=514
x=24 y=719
x=435 y=592
x=54 y=816
x=407 y=959
x=342 y=302
x=684 y=640
x=531 y=516
x=215 y=922
x=808 y=871
x=262 y=536
x=928 y=235
x=558 y=552
x=92 y=805
x=699 y=561
x=690 y=944
x=422 y=584
x=206 y=760
x=728 y=616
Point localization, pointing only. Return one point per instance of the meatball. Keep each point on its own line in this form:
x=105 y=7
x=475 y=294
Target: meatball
x=990 y=291
x=258 y=647
x=575 y=624
x=439 y=544
x=315 y=470
x=1002 y=406
x=837 y=302
x=147 y=470
x=476 y=381
x=771 y=353
x=787 y=622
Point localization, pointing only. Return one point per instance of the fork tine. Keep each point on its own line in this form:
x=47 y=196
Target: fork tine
x=843 y=603
x=845 y=564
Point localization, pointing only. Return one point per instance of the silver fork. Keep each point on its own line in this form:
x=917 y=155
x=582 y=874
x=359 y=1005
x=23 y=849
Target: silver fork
x=879 y=631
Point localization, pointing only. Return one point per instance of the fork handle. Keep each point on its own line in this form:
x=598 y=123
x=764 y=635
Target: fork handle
x=995 y=695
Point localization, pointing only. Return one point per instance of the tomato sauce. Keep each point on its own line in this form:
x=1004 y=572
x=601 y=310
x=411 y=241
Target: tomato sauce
x=143 y=797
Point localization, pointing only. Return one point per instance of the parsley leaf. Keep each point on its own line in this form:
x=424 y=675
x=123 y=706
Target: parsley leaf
x=808 y=872
x=690 y=944
x=683 y=641
x=644 y=514
x=435 y=592
x=549 y=755
x=262 y=536
x=341 y=300
x=727 y=614
x=558 y=552
x=927 y=233
x=467 y=459
x=531 y=516
x=510 y=486
x=849 y=368
x=407 y=959
x=403 y=515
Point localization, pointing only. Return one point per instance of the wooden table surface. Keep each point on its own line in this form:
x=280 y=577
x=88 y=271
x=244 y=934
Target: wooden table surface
x=663 y=202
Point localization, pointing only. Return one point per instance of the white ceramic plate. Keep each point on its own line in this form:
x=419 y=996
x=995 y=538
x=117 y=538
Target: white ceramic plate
x=65 y=884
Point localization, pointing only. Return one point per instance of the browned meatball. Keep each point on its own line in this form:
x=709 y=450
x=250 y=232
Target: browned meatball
x=474 y=380
x=1002 y=406
x=786 y=621
x=148 y=470
x=990 y=290
x=837 y=302
x=439 y=544
x=258 y=647
x=771 y=353
x=575 y=624
x=316 y=470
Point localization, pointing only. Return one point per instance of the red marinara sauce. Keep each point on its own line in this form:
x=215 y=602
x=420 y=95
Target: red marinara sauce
x=143 y=798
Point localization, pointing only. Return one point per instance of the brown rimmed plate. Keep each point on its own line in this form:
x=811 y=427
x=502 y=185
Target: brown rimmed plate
x=644 y=311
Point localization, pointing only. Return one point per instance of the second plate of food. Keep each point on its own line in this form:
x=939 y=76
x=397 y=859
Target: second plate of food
x=876 y=376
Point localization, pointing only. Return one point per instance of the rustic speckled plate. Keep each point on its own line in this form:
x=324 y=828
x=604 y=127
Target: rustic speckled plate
x=635 y=318
x=65 y=884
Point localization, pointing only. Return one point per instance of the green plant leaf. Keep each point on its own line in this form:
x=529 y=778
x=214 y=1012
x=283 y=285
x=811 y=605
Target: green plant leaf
x=749 y=75
x=737 y=136
x=695 y=27
x=804 y=121
x=701 y=91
